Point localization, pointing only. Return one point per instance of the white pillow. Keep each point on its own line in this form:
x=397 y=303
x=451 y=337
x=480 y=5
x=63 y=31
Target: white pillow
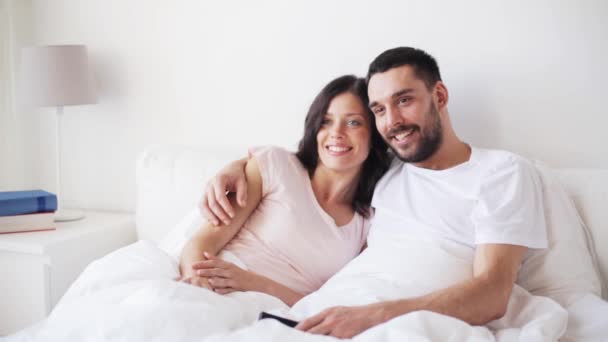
x=587 y=320
x=566 y=270
x=177 y=237
x=170 y=180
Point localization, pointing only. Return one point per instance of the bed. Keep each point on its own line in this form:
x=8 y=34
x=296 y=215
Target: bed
x=129 y=295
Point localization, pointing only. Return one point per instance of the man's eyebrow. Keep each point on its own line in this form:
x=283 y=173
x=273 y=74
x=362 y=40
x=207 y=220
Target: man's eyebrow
x=402 y=92
x=395 y=94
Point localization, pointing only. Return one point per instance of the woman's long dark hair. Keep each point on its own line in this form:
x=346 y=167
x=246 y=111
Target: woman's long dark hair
x=377 y=161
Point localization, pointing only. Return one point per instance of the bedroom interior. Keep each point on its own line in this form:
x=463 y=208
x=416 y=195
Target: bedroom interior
x=185 y=86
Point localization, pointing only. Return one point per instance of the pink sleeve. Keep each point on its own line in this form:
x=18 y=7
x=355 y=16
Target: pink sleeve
x=271 y=161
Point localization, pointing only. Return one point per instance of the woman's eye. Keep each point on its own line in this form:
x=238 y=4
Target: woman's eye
x=325 y=122
x=354 y=123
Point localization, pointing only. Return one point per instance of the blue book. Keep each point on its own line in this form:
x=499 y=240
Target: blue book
x=26 y=202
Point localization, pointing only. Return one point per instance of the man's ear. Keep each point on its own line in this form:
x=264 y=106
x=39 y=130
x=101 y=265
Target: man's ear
x=441 y=95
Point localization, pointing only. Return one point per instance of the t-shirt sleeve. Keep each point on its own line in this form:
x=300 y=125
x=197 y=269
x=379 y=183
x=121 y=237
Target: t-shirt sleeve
x=272 y=162
x=510 y=206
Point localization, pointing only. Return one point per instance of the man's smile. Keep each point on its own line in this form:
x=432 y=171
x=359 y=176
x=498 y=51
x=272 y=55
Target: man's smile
x=402 y=135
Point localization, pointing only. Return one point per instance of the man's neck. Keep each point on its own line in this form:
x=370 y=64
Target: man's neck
x=448 y=155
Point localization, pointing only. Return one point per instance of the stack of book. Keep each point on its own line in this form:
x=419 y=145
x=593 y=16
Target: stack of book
x=27 y=211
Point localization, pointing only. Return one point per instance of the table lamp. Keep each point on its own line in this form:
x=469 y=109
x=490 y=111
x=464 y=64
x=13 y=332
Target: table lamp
x=57 y=76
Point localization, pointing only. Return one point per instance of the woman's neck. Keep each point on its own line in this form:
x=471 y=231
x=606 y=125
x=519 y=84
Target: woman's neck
x=332 y=186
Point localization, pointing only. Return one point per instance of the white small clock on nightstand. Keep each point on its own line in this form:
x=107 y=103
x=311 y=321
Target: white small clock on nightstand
x=37 y=268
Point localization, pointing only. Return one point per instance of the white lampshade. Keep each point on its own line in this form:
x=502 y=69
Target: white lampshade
x=56 y=75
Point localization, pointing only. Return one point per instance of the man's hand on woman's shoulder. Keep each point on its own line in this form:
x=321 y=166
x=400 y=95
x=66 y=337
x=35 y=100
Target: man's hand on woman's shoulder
x=215 y=205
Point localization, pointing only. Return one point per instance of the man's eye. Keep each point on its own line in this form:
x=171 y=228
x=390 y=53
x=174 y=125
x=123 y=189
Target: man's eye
x=404 y=100
x=378 y=111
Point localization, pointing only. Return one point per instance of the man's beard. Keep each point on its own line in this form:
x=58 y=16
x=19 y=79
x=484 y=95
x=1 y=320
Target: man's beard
x=430 y=138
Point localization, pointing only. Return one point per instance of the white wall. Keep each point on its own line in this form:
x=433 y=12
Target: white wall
x=15 y=20
x=524 y=76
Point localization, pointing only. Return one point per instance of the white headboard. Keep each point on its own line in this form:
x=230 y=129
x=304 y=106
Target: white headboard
x=170 y=181
x=589 y=190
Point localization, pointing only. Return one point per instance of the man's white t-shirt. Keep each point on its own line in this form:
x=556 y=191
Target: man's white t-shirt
x=493 y=198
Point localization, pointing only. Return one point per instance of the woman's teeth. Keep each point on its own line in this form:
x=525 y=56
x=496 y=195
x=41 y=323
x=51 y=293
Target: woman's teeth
x=338 y=149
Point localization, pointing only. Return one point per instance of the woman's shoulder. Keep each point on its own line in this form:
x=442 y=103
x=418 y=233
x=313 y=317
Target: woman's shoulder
x=270 y=151
x=276 y=163
x=275 y=156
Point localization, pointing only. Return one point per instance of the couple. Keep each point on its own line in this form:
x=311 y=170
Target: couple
x=301 y=217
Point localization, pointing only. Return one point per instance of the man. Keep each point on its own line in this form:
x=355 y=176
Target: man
x=489 y=200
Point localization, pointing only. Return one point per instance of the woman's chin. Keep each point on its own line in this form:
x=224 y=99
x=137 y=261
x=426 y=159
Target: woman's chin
x=341 y=164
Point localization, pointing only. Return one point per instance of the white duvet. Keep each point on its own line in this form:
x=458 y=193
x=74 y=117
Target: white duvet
x=130 y=295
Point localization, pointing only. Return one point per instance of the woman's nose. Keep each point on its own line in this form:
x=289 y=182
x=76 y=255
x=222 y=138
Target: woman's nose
x=337 y=131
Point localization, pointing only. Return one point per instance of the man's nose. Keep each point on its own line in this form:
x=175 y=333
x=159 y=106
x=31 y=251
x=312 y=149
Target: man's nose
x=393 y=118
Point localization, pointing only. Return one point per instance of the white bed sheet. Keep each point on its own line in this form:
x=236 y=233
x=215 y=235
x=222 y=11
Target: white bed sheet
x=587 y=320
x=129 y=295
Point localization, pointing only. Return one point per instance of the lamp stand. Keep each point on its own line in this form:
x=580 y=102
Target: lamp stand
x=62 y=215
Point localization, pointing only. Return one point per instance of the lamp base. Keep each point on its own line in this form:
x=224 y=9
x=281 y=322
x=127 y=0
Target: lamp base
x=63 y=215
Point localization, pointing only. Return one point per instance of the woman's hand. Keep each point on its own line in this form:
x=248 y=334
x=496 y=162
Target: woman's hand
x=225 y=277
x=189 y=276
x=196 y=281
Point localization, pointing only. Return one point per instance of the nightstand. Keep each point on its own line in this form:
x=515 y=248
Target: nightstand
x=37 y=268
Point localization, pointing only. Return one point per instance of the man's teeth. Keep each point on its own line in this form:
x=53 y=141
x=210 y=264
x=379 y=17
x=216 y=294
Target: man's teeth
x=403 y=135
x=338 y=148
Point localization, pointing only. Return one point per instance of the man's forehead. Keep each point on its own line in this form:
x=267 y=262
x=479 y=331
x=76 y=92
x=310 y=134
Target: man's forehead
x=383 y=85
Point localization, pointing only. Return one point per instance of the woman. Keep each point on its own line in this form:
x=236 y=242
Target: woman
x=301 y=207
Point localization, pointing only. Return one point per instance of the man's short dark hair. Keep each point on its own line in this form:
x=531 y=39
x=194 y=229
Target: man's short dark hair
x=424 y=65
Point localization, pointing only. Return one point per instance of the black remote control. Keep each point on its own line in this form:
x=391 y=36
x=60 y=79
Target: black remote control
x=287 y=322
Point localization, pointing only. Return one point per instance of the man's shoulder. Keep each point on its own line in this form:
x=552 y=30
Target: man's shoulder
x=393 y=172
x=494 y=160
x=505 y=167
x=387 y=184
